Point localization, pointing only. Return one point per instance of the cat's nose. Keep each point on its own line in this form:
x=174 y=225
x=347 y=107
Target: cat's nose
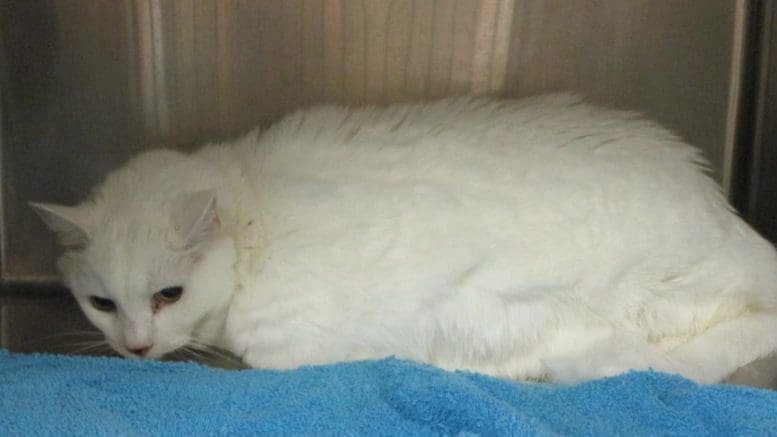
x=141 y=351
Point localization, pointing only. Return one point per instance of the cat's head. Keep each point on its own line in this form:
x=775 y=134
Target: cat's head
x=152 y=274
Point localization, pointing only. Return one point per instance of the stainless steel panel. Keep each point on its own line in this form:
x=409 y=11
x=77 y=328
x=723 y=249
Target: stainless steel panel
x=47 y=324
x=674 y=60
x=758 y=199
x=87 y=83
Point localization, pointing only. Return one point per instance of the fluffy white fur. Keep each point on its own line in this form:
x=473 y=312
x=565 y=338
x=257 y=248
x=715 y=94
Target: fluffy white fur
x=542 y=238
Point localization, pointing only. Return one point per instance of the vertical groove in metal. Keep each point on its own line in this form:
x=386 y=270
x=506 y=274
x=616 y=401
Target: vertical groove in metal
x=3 y=228
x=743 y=179
x=738 y=58
x=158 y=68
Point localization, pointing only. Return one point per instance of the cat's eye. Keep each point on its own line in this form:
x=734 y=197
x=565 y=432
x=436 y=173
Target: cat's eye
x=169 y=294
x=102 y=304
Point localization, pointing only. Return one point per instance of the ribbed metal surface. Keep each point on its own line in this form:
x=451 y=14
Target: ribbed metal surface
x=87 y=83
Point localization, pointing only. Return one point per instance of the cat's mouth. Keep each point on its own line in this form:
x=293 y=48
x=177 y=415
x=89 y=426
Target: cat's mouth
x=210 y=355
x=140 y=354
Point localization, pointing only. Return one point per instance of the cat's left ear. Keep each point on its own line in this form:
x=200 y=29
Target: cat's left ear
x=195 y=219
x=73 y=225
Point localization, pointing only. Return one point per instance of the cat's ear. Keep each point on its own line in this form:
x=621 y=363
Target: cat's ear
x=195 y=218
x=73 y=224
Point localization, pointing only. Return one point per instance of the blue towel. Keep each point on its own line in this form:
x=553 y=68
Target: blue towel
x=63 y=395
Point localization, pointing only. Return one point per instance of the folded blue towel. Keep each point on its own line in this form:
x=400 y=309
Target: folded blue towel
x=62 y=395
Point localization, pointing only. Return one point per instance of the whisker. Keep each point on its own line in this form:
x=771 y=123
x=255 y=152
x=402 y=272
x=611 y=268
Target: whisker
x=214 y=351
x=71 y=334
x=85 y=342
x=209 y=355
x=193 y=353
x=93 y=347
x=60 y=340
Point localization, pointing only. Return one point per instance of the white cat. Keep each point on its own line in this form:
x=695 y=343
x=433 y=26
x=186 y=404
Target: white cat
x=540 y=238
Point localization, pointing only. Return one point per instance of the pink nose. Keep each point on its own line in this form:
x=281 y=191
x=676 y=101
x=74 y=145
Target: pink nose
x=141 y=351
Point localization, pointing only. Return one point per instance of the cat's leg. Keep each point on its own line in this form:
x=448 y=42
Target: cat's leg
x=585 y=352
x=709 y=357
x=717 y=352
x=289 y=344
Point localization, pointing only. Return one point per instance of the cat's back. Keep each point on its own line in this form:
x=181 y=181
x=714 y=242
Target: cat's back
x=493 y=143
x=536 y=183
x=553 y=160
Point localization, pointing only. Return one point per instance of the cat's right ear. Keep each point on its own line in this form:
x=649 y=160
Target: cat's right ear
x=195 y=218
x=72 y=224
